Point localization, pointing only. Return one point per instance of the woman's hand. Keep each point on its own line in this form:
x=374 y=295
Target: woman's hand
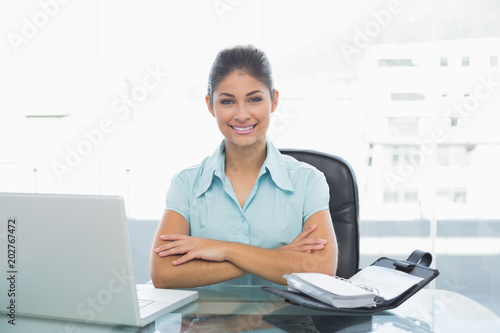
x=303 y=244
x=191 y=248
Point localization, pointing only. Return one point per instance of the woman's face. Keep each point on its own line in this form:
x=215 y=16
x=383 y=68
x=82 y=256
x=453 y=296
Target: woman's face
x=242 y=106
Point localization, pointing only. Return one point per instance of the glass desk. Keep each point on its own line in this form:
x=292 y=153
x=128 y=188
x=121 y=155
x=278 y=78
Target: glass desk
x=249 y=309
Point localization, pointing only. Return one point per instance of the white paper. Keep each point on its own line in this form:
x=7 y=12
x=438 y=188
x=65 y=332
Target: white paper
x=386 y=282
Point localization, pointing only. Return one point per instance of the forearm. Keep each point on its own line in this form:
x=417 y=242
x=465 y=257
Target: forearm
x=241 y=259
x=194 y=273
x=272 y=264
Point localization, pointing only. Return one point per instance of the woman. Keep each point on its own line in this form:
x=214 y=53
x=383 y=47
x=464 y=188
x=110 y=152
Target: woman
x=246 y=214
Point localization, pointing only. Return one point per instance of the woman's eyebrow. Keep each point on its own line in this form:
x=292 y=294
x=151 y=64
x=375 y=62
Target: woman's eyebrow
x=253 y=92
x=231 y=95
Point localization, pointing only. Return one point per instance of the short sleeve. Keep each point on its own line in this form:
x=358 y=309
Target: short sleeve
x=178 y=196
x=317 y=195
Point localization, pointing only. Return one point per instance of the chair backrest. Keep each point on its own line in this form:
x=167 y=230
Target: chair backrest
x=344 y=204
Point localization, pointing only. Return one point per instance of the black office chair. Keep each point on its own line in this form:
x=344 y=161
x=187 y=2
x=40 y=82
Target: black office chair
x=344 y=208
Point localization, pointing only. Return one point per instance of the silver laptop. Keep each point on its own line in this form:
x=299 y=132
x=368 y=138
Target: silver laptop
x=68 y=257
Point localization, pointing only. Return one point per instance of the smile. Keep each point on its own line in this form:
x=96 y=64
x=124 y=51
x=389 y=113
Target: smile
x=239 y=128
x=243 y=129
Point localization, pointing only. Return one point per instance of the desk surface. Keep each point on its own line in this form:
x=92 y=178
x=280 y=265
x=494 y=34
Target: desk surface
x=237 y=309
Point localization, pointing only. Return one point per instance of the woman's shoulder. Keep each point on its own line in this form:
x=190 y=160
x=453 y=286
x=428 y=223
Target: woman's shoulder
x=288 y=167
x=194 y=170
x=203 y=171
x=292 y=164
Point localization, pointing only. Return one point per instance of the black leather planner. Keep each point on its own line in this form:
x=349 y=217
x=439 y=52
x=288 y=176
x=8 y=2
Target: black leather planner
x=417 y=264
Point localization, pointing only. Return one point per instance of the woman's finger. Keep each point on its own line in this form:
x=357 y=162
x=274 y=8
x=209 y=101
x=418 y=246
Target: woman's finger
x=185 y=258
x=172 y=245
x=173 y=237
x=314 y=241
x=306 y=233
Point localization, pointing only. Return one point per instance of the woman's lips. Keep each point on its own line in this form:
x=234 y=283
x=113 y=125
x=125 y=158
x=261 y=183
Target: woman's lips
x=243 y=129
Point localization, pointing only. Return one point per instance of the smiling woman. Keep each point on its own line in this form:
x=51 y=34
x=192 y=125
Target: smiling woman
x=246 y=214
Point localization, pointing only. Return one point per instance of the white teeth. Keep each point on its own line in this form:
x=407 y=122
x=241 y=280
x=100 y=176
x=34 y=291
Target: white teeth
x=243 y=128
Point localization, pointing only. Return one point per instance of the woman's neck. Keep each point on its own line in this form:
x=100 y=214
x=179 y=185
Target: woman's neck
x=244 y=159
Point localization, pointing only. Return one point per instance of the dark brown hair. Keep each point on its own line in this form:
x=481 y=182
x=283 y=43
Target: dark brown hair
x=245 y=58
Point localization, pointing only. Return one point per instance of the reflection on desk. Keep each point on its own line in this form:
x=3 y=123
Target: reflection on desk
x=243 y=308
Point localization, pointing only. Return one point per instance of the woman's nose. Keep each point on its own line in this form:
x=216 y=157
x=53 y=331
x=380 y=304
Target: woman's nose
x=241 y=114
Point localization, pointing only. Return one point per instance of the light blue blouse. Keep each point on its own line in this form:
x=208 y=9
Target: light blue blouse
x=285 y=194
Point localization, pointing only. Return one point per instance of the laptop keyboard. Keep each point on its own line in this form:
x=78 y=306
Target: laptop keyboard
x=144 y=302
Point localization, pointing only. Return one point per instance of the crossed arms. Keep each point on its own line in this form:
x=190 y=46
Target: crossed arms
x=182 y=261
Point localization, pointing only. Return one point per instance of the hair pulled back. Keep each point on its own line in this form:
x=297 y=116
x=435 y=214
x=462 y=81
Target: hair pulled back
x=245 y=58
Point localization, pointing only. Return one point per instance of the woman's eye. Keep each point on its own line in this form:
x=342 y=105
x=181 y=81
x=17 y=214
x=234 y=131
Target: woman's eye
x=256 y=99
x=226 y=101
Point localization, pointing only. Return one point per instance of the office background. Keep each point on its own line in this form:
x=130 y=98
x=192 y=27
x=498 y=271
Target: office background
x=107 y=97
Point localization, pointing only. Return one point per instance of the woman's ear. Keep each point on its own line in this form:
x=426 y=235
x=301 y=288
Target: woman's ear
x=209 y=105
x=275 y=100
